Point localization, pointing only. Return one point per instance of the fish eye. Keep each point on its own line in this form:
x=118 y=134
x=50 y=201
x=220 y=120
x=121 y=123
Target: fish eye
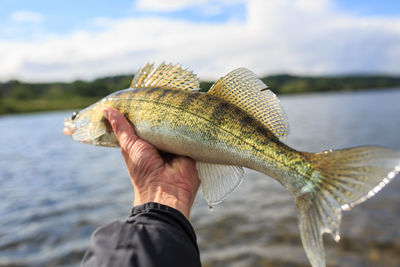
x=74 y=115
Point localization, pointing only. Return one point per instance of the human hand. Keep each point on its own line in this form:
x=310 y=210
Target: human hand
x=163 y=178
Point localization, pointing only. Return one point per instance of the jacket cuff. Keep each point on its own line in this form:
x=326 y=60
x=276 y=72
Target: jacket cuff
x=168 y=214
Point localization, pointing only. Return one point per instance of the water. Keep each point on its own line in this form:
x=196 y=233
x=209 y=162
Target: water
x=56 y=192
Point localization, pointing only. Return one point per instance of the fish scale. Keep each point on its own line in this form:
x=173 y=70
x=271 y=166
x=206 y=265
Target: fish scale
x=239 y=123
x=203 y=112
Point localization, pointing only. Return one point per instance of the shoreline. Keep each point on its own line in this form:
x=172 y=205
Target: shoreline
x=33 y=105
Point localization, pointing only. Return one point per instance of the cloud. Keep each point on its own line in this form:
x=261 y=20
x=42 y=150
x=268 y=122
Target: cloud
x=292 y=36
x=27 y=16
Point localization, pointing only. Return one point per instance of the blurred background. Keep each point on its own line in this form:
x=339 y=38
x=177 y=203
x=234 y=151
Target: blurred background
x=335 y=65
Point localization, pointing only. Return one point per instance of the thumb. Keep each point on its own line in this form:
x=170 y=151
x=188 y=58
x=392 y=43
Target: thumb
x=122 y=128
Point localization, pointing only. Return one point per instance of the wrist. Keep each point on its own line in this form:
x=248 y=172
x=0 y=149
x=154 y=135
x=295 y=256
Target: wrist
x=166 y=195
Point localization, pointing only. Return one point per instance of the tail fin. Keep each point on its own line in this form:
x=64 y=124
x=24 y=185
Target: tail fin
x=341 y=180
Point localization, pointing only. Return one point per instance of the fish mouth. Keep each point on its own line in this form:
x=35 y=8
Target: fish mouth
x=69 y=127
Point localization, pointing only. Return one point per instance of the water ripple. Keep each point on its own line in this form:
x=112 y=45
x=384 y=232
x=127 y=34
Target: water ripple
x=56 y=192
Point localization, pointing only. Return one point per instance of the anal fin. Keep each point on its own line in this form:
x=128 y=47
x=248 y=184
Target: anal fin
x=218 y=181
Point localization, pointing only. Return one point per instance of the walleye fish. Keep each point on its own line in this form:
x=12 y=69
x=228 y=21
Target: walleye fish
x=239 y=123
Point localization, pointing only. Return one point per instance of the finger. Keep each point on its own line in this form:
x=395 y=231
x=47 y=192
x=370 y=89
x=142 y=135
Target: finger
x=122 y=128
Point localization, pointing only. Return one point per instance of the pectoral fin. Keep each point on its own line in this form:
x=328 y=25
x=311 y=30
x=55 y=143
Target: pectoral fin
x=218 y=181
x=89 y=132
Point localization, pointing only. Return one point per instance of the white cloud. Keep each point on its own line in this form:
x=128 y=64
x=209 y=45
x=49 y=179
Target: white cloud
x=26 y=16
x=292 y=36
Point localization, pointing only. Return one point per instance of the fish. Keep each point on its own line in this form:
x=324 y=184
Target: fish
x=240 y=123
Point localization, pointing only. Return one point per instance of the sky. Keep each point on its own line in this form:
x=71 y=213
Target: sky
x=45 y=41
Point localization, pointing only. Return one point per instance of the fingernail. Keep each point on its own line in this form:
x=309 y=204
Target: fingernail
x=106 y=113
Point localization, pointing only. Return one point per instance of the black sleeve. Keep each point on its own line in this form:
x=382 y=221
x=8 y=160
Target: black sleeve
x=153 y=235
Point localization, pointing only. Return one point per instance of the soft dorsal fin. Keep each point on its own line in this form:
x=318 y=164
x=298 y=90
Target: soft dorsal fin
x=165 y=75
x=244 y=89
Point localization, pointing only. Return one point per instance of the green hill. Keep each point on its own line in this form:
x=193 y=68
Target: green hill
x=19 y=97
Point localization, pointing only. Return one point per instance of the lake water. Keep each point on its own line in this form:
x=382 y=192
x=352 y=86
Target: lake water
x=55 y=192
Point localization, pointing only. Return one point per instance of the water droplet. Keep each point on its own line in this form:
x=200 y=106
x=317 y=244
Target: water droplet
x=210 y=208
x=337 y=238
x=345 y=207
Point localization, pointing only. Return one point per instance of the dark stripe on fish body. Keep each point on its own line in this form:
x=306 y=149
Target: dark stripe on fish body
x=263 y=131
x=218 y=114
x=174 y=91
x=152 y=90
x=206 y=96
x=163 y=93
x=187 y=101
x=247 y=121
x=237 y=111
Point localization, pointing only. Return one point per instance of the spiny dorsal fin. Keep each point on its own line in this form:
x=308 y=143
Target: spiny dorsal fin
x=165 y=75
x=244 y=89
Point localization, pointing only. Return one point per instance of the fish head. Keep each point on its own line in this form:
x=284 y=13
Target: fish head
x=89 y=126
